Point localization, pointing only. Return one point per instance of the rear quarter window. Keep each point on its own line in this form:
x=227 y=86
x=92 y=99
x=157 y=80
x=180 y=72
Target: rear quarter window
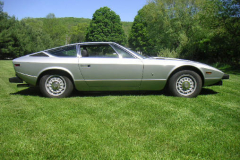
x=66 y=51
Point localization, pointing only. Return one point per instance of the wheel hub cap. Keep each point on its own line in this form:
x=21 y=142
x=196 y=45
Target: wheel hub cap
x=186 y=85
x=55 y=85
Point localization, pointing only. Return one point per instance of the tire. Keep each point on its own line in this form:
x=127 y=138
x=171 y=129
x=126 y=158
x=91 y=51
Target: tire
x=55 y=86
x=185 y=83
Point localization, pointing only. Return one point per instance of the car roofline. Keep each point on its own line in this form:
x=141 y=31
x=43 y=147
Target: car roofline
x=82 y=43
x=86 y=43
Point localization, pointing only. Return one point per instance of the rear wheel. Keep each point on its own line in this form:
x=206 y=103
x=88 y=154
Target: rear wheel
x=55 y=86
x=185 y=83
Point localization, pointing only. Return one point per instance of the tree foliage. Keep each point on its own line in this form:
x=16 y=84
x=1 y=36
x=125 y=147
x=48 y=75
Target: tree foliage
x=106 y=26
x=139 y=39
x=7 y=39
x=17 y=38
x=78 y=32
x=192 y=29
x=205 y=30
x=55 y=29
x=30 y=35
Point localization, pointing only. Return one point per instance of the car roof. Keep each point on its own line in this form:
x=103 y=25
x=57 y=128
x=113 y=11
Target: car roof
x=82 y=43
x=95 y=43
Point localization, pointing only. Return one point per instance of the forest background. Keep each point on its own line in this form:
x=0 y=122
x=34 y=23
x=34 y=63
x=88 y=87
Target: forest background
x=202 y=30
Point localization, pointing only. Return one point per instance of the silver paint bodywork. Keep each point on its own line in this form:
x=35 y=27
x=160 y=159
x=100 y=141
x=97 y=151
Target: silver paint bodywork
x=108 y=74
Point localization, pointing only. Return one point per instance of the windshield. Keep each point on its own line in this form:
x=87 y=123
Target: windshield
x=139 y=55
x=143 y=57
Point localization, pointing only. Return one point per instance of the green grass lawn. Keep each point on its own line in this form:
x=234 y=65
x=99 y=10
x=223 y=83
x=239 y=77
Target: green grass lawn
x=119 y=125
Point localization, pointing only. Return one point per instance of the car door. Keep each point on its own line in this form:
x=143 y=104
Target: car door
x=105 y=68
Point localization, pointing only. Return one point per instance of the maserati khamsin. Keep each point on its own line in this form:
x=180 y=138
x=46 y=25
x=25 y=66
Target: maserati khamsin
x=108 y=66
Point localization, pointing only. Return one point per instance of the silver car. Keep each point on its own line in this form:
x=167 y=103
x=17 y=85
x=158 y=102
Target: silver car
x=108 y=66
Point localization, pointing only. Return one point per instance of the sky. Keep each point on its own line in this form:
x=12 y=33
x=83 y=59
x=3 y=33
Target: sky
x=126 y=9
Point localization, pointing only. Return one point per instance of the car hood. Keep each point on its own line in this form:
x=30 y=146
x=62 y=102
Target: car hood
x=166 y=58
x=177 y=60
x=182 y=62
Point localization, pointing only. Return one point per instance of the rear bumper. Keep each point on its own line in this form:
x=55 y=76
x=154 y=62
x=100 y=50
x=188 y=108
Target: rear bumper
x=225 y=76
x=15 y=80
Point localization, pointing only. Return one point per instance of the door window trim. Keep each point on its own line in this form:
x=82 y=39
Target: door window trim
x=81 y=45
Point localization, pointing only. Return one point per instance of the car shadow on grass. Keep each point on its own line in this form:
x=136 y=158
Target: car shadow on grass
x=204 y=91
x=31 y=91
x=207 y=91
x=115 y=93
x=34 y=91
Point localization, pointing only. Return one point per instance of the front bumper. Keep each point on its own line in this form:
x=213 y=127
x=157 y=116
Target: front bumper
x=225 y=76
x=220 y=83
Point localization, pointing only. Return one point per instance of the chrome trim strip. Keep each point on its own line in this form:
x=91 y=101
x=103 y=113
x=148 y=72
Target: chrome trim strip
x=90 y=80
x=26 y=74
x=213 y=78
x=153 y=79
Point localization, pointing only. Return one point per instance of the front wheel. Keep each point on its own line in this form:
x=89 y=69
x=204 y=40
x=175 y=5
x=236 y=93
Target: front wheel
x=55 y=86
x=185 y=83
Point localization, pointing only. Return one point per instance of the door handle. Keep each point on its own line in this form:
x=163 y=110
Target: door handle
x=85 y=65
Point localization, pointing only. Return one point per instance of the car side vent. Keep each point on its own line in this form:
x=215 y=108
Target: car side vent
x=39 y=55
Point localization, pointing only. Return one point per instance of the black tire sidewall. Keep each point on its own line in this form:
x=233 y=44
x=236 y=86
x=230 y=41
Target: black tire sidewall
x=173 y=80
x=66 y=93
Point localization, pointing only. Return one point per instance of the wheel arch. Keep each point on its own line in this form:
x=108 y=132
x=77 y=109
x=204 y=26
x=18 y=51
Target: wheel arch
x=191 y=68
x=59 y=71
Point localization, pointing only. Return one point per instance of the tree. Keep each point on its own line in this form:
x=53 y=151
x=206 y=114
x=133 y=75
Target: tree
x=55 y=29
x=39 y=36
x=8 y=40
x=139 y=39
x=206 y=30
x=78 y=32
x=171 y=24
x=18 y=38
x=106 y=26
x=1 y=6
x=31 y=39
x=222 y=42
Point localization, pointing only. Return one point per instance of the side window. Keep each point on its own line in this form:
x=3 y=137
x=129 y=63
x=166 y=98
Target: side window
x=67 y=51
x=122 y=52
x=98 y=51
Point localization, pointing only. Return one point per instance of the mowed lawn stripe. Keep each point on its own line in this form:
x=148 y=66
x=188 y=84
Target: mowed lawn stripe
x=118 y=125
